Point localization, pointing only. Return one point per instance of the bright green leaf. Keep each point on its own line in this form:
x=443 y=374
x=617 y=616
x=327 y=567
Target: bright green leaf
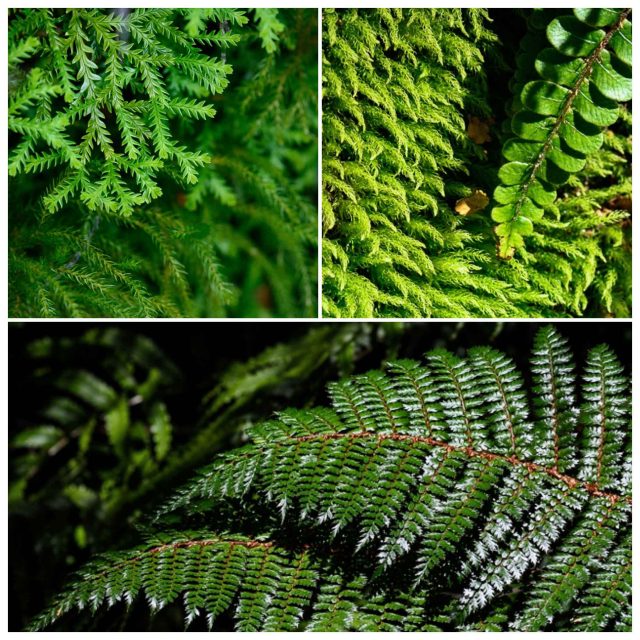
x=572 y=37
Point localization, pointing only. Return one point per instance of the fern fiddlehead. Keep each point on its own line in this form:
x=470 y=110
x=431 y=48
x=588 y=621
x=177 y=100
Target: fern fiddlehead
x=583 y=76
x=431 y=496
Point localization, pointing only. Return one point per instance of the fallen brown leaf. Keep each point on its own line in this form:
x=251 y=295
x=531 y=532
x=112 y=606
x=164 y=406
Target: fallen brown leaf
x=478 y=129
x=477 y=201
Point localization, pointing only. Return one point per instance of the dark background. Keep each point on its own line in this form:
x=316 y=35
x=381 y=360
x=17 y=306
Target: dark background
x=201 y=349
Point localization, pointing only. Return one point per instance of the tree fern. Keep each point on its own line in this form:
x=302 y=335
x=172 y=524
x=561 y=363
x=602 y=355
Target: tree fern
x=583 y=76
x=434 y=495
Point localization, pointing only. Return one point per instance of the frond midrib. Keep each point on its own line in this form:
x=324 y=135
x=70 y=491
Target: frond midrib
x=468 y=451
x=591 y=60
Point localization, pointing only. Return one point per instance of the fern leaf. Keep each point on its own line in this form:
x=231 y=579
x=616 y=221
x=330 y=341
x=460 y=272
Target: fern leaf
x=561 y=118
x=608 y=590
x=554 y=386
x=440 y=479
x=393 y=138
x=569 y=568
x=269 y=28
x=225 y=567
x=605 y=412
x=102 y=72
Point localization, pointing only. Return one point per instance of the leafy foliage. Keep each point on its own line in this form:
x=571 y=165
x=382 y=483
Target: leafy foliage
x=116 y=123
x=110 y=71
x=104 y=409
x=561 y=115
x=434 y=495
x=105 y=421
x=395 y=82
x=400 y=239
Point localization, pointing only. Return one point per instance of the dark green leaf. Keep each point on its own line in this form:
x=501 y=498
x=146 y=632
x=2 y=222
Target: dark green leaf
x=544 y=98
x=597 y=17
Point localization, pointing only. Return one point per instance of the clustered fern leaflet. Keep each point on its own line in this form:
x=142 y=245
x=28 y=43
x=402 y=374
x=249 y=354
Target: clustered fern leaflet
x=116 y=98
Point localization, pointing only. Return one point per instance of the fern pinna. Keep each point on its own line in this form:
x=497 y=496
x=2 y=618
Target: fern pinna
x=432 y=496
x=123 y=119
x=583 y=76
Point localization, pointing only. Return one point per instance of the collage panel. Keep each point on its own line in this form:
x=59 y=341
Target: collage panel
x=320 y=476
x=476 y=163
x=163 y=162
x=410 y=407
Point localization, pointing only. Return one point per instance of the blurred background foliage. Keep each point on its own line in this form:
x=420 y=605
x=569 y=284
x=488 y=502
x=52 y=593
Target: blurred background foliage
x=105 y=421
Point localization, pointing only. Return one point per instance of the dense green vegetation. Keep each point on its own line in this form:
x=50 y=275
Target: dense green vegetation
x=476 y=163
x=162 y=162
x=466 y=489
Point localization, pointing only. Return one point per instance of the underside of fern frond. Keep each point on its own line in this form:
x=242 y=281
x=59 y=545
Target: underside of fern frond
x=434 y=495
x=582 y=78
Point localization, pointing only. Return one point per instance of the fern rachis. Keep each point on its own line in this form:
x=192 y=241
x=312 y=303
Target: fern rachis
x=426 y=498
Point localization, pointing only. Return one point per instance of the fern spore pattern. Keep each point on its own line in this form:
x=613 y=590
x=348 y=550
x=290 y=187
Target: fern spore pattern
x=433 y=495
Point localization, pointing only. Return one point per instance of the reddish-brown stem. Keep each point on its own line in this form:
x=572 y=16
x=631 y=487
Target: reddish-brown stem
x=470 y=452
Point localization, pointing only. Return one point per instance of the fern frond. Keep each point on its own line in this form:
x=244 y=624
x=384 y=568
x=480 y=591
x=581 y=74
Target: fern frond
x=425 y=477
x=608 y=593
x=211 y=570
x=561 y=118
x=394 y=84
x=402 y=141
x=116 y=89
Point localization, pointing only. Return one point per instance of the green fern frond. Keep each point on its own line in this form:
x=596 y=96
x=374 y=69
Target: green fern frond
x=399 y=148
x=560 y=122
x=169 y=199
x=425 y=498
x=393 y=86
x=112 y=70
